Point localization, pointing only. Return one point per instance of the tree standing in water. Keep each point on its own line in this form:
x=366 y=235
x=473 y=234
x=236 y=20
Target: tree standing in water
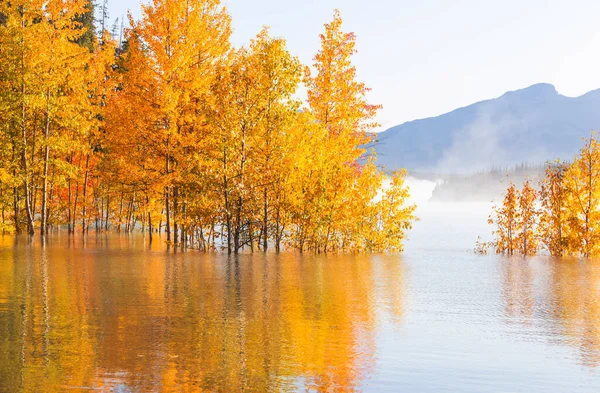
x=582 y=180
x=568 y=222
x=553 y=215
x=527 y=220
x=506 y=219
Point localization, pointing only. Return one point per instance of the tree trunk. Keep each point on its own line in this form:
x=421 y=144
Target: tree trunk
x=106 y=212
x=26 y=185
x=85 y=186
x=167 y=191
x=44 y=226
x=175 y=215
x=265 y=221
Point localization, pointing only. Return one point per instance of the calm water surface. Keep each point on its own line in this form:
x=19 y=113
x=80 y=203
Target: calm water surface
x=115 y=314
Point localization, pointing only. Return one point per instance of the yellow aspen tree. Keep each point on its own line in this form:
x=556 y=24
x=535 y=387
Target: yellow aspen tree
x=100 y=82
x=506 y=219
x=553 y=216
x=527 y=220
x=47 y=64
x=66 y=76
x=251 y=112
x=279 y=75
x=338 y=101
x=336 y=98
x=17 y=36
x=175 y=47
x=395 y=216
x=233 y=118
x=582 y=180
x=9 y=164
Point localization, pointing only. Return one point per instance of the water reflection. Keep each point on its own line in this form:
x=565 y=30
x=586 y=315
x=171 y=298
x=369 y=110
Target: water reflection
x=576 y=301
x=557 y=300
x=114 y=314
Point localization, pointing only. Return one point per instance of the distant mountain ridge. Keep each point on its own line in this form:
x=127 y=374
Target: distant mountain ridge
x=530 y=125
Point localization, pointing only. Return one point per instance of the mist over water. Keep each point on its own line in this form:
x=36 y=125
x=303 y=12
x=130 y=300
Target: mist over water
x=421 y=190
x=449 y=226
x=445 y=226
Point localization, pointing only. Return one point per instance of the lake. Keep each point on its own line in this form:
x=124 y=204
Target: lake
x=116 y=314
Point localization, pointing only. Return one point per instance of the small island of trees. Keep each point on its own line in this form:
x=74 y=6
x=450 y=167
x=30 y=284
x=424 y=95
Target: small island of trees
x=173 y=131
x=560 y=218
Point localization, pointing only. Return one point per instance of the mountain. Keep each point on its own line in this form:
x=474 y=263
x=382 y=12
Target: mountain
x=531 y=125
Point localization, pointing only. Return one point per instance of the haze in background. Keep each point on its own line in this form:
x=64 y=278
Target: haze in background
x=429 y=57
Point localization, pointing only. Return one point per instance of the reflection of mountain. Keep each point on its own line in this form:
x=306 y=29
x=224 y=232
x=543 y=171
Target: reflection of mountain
x=564 y=292
x=531 y=125
x=113 y=317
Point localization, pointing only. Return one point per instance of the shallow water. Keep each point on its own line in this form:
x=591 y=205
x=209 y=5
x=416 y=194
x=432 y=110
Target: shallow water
x=115 y=314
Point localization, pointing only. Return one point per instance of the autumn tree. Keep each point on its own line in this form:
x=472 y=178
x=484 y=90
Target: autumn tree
x=527 y=220
x=172 y=54
x=393 y=217
x=566 y=222
x=251 y=113
x=335 y=97
x=506 y=220
x=339 y=104
x=582 y=180
x=45 y=72
x=553 y=214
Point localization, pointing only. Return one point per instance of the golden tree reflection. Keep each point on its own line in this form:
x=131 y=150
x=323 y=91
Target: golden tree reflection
x=575 y=294
x=113 y=314
x=562 y=291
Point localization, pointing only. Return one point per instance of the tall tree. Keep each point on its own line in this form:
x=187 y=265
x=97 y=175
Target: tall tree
x=251 y=113
x=339 y=103
x=506 y=218
x=47 y=69
x=582 y=181
x=173 y=51
x=553 y=217
x=528 y=220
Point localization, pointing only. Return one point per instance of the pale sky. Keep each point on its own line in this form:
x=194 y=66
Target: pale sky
x=427 y=57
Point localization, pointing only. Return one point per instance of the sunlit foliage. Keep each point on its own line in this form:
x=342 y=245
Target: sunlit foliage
x=562 y=219
x=175 y=131
x=506 y=219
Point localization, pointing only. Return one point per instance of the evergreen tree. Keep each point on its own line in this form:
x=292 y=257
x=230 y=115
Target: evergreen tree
x=87 y=22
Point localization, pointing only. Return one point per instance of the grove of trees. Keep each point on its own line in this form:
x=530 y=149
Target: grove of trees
x=174 y=131
x=561 y=218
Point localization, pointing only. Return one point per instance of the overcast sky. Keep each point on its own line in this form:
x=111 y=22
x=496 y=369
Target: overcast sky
x=427 y=57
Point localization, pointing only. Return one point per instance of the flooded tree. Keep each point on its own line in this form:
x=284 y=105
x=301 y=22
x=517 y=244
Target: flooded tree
x=582 y=180
x=177 y=132
x=527 y=220
x=506 y=220
x=553 y=218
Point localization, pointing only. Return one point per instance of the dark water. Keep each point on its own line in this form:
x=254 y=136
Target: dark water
x=113 y=314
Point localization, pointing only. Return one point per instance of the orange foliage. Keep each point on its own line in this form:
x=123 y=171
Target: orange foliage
x=175 y=131
x=567 y=219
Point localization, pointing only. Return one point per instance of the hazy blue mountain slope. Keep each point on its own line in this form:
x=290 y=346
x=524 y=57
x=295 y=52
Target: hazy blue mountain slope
x=530 y=125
